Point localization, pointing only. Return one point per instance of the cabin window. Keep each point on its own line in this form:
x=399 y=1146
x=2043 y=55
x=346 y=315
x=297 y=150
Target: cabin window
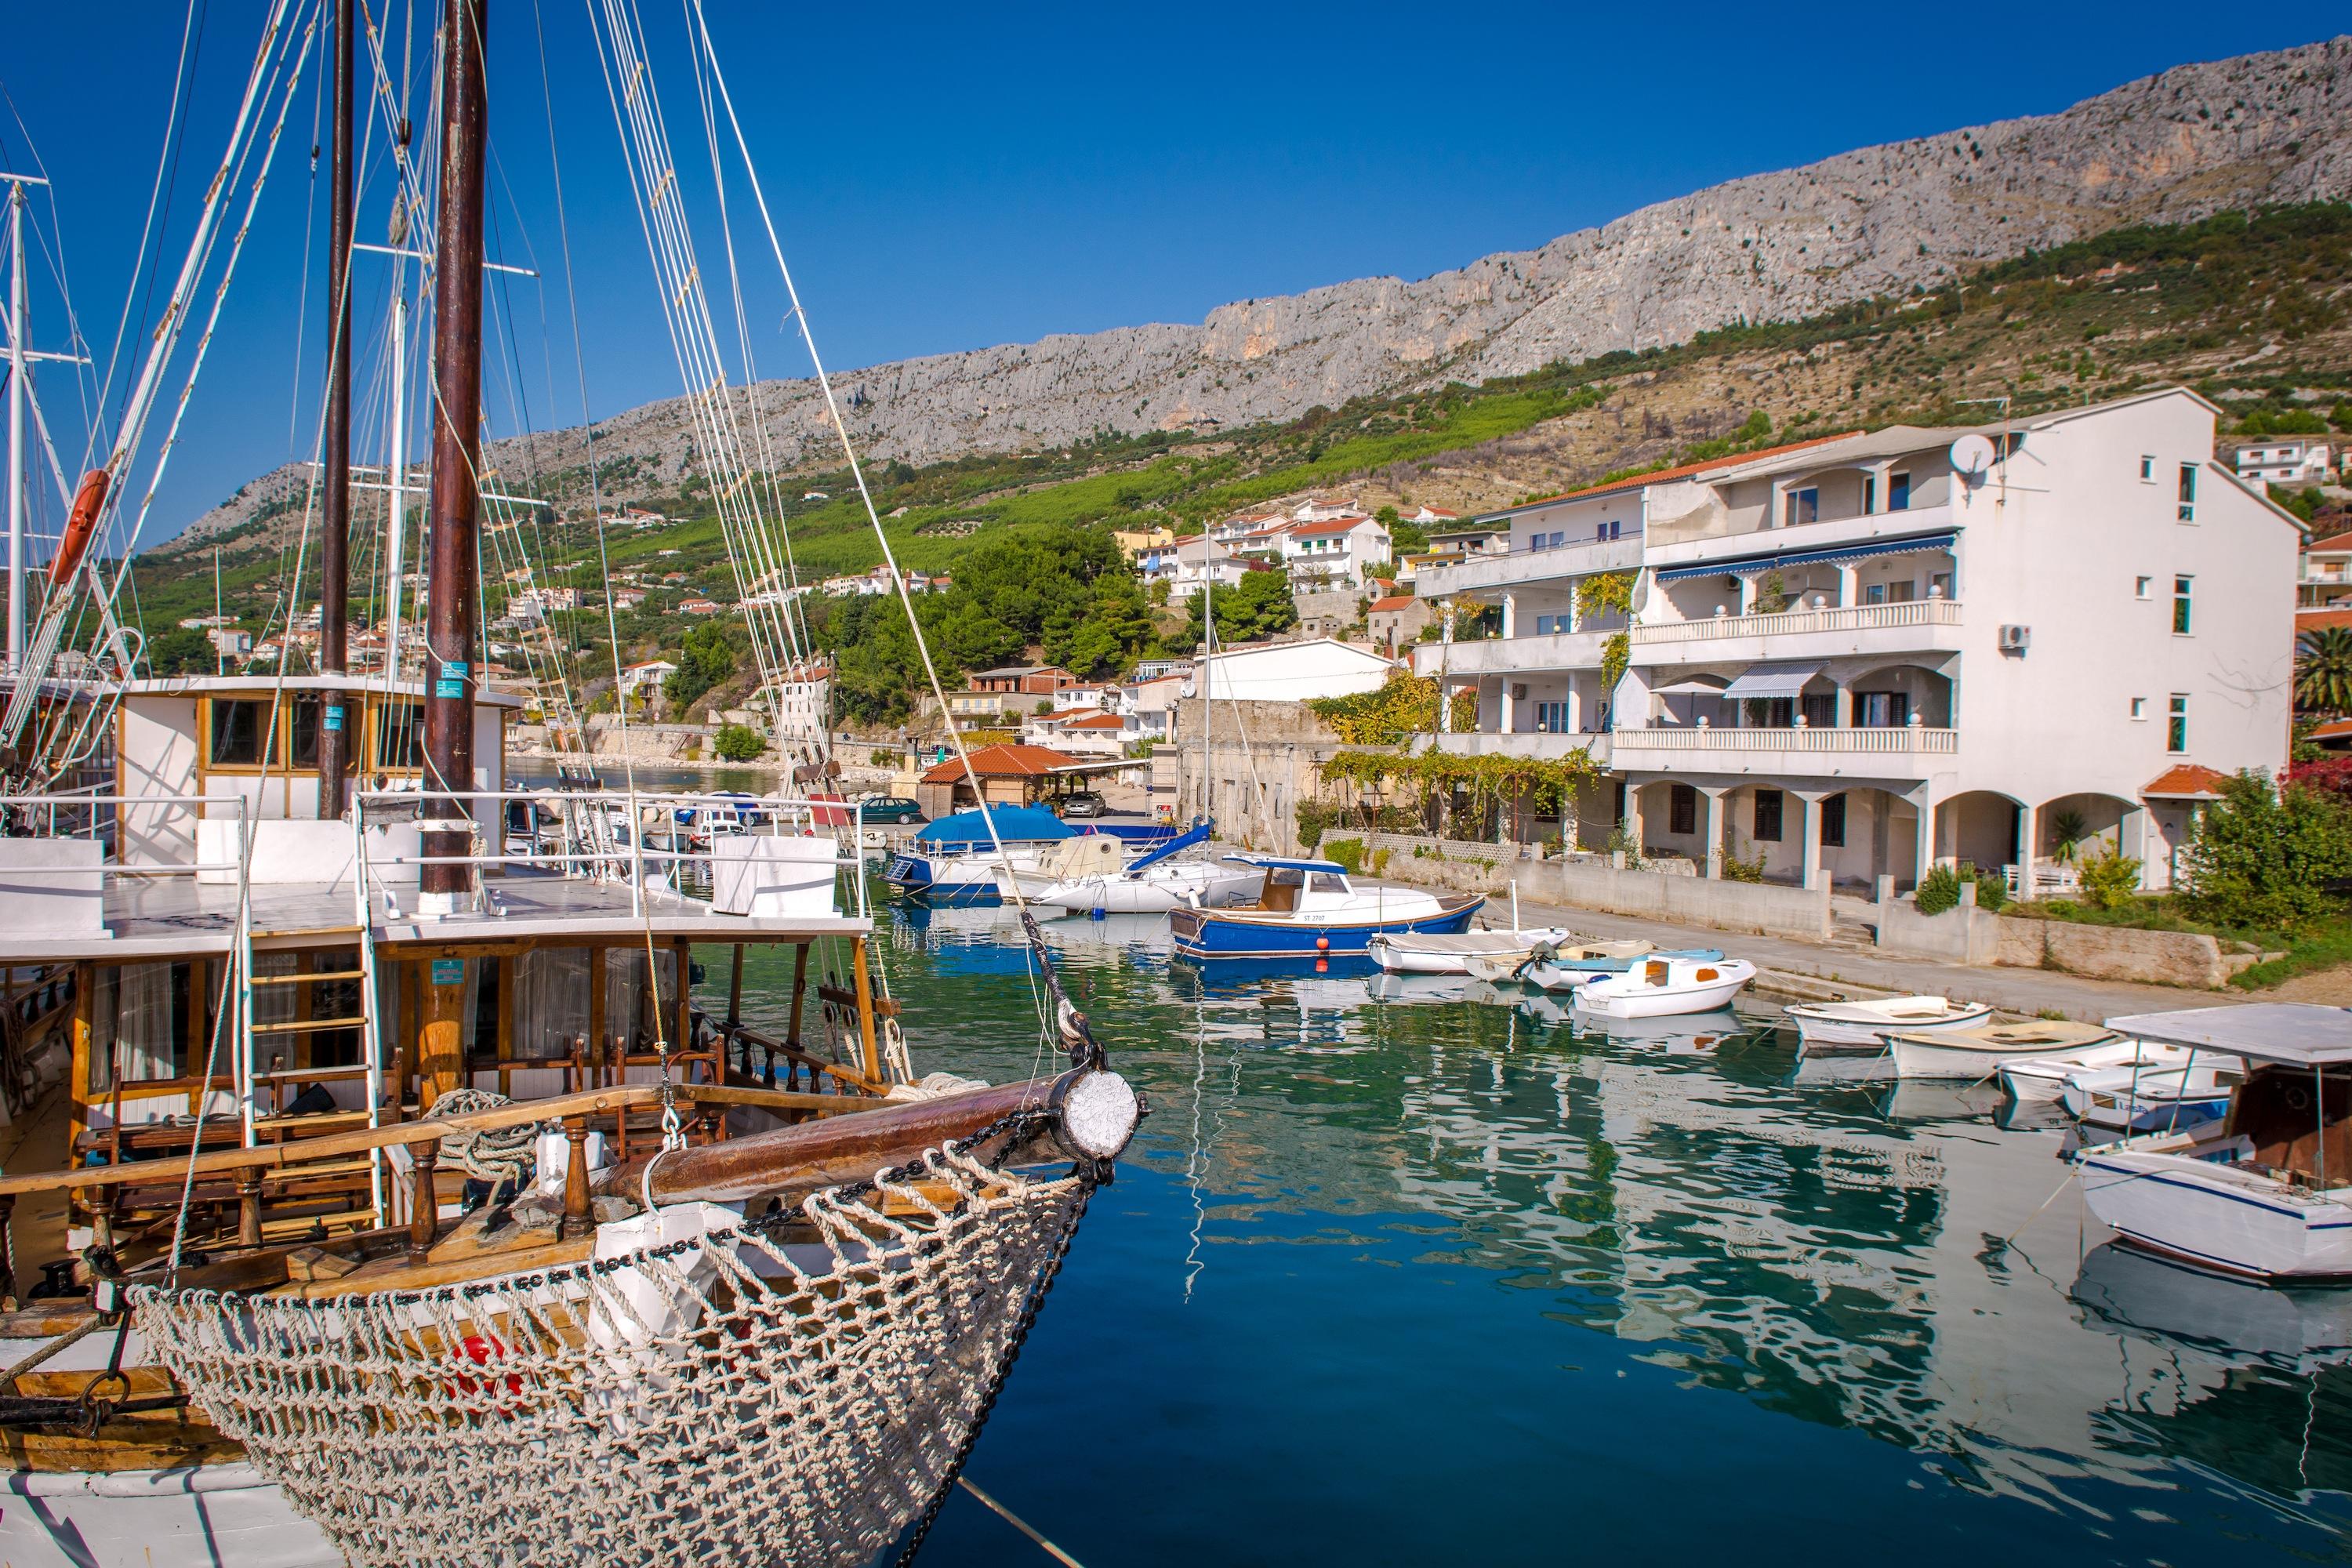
x=1768 y=803
x=1682 y=809
x=1833 y=822
x=239 y=727
x=632 y=1009
x=550 y=1000
x=399 y=735
x=139 y=1024
x=302 y=732
x=1329 y=882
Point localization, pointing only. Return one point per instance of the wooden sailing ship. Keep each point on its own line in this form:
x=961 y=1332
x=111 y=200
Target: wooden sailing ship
x=379 y=1189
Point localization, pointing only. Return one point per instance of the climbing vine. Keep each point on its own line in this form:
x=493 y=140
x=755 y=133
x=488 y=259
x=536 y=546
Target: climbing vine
x=1615 y=655
x=1404 y=705
x=1604 y=592
x=1464 y=711
x=1436 y=778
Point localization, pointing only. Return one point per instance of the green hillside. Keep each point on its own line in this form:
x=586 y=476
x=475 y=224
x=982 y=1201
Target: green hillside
x=2252 y=309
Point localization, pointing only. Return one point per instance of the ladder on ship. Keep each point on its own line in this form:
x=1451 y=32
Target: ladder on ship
x=253 y=1036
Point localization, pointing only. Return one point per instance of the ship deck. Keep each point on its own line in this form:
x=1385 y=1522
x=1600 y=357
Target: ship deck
x=178 y=917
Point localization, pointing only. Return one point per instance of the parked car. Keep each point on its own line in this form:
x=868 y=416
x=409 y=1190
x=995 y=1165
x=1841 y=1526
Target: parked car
x=890 y=808
x=1084 y=803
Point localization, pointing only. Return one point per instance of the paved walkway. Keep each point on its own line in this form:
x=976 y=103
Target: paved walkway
x=2027 y=991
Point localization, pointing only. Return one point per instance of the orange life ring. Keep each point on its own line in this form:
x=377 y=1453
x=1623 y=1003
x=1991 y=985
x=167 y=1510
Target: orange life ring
x=81 y=526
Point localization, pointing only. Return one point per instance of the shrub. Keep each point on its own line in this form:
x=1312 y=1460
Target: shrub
x=738 y=743
x=1348 y=852
x=1314 y=818
x=2267 y=860
x=1381 y=862
x=2109 y=877
x=1939 y=891
x=1992 y=889
x=1621 y=842
x=1735 y=869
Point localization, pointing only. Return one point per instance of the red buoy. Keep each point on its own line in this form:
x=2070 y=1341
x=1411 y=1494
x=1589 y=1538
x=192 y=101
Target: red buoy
x=82 y=526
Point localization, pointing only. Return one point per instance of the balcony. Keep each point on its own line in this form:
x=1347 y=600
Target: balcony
x=1830 y=533
x=1918 y=626
x=1492 y=572
x=1541 y=746
x=1510 y=655
x=1909 y=752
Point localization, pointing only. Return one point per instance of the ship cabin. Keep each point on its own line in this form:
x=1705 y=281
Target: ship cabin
x=197 y=962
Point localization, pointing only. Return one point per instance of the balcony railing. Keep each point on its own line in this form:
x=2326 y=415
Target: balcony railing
x=1909 y=739
x=1544 y=744
x=1529 y=566
x=1844 y=618
x=1496 y=656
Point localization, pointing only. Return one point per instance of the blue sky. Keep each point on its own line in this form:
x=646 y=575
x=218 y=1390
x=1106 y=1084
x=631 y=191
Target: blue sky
x=953 y=177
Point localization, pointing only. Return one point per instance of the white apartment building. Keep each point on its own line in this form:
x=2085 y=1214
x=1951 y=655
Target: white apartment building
x=1336 y=552
x=1863 y=655
x=2326 y=575
x=1189 y=564
x=2287 y=460
x=800 y=701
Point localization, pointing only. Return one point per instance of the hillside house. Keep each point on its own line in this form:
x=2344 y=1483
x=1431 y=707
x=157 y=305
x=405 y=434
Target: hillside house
x=2286 y=460
x=1337 y=553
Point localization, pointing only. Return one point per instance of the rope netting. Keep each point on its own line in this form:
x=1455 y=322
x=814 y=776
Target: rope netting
x=796 y=1390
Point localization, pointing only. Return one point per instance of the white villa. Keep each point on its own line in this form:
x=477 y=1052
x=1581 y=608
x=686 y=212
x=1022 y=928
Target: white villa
x=2286 y=460
x=1335 y=552
x=1863 y=654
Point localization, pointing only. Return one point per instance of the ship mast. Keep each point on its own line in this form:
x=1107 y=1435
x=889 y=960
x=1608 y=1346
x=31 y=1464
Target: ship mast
x=452 y=569
x=335 y=502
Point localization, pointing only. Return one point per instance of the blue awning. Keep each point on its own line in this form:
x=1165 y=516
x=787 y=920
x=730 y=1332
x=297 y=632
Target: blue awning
x=1746 y=564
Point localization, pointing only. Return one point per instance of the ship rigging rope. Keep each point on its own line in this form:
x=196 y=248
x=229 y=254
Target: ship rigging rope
x=800 y=1389
x=725 y=100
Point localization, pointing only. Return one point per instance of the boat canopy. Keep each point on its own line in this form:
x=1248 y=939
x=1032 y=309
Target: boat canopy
x=1289 y=863
x=1014 y=824
x=2282 y=1033
x=1196 y=834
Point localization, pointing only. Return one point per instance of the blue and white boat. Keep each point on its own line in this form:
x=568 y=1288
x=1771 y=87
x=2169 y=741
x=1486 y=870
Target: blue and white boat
x=955 y=862
x=1308 y=909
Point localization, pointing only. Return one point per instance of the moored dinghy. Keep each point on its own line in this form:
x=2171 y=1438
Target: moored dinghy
x=1567 y=968
x=2153 y=1099
x=1402 y=952
x=1863 y=1023
x=2039 y=1079
x=1980 y=1052
x=2265 y=1194
x=1665 y=984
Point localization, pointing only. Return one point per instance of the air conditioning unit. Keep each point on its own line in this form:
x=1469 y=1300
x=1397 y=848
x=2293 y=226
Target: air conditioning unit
x=2016 y=639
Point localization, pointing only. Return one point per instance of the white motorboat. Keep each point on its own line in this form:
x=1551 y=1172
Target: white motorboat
x=1149 y=889
x=1833 y=1024
x=2266 y=1193
x=1980 y=1052
x=1665 y=985
x=2041 y=1080
x=1035 y=870
x=1415 y=952
x=2153 y=1099
x=1309 y=908
x=1570 y=965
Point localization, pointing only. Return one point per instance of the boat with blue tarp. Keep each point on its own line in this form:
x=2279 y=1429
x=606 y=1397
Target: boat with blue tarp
x=954 y=860
x=1309 y=908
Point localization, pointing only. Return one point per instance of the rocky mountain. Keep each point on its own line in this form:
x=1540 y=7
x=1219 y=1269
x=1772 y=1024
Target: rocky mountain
x=2256 y=130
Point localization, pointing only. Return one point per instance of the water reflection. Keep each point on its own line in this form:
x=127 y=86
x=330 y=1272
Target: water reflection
x=1828 y=1249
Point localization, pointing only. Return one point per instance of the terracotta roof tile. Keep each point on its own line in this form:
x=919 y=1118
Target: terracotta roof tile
x=2186 y=781
x=999 y=761
x=1393 y=602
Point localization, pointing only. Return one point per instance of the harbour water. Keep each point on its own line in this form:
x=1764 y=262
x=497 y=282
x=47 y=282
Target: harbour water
x=1393 y=1276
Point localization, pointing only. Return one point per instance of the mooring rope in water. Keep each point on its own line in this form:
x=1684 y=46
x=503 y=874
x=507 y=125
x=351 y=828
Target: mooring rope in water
x=1017 y=1522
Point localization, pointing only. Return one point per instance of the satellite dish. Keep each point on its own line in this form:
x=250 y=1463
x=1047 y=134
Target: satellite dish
x=1973 y=455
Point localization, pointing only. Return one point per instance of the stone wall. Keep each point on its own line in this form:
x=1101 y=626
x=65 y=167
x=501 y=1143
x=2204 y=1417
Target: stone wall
x=1588 y=883
x=1969 y=935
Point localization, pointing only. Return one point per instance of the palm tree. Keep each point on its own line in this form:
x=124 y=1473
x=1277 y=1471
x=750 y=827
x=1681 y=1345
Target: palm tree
x=2323 y=670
